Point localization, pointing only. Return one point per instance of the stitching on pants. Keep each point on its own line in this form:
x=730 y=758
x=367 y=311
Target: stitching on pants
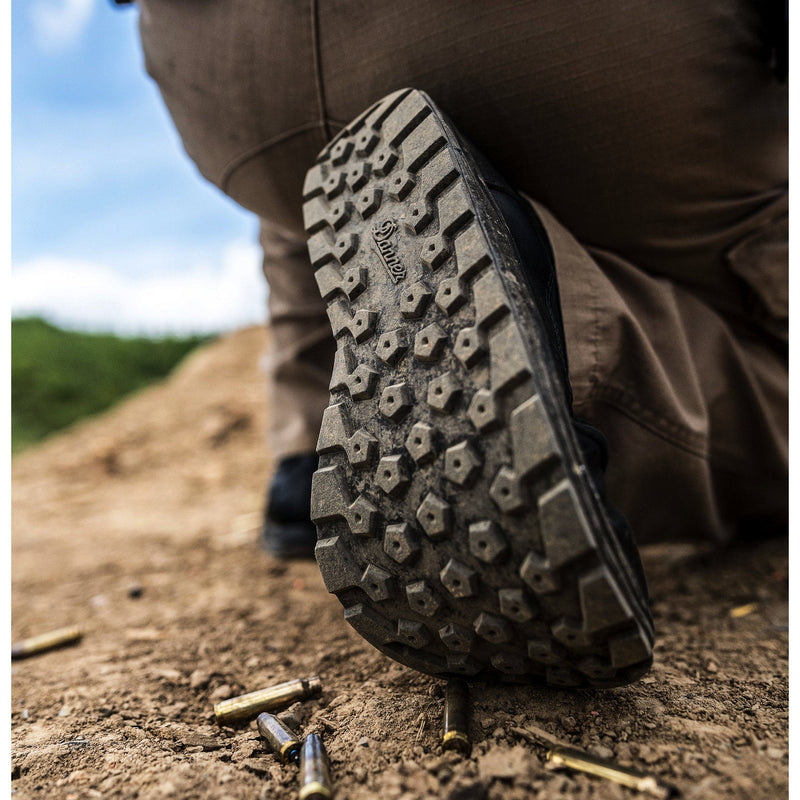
x=323 y=114
x=251 y=152
x=669 y=431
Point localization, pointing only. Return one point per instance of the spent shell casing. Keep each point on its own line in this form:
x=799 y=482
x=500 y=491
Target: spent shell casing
x=584 y=762
x=248 y=706
x=45 y=641
x=282 y=741
x=315 y=774
x=456 y=717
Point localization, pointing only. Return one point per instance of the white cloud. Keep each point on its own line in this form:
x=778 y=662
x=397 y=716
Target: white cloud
x=60 y=23
x=204 y=298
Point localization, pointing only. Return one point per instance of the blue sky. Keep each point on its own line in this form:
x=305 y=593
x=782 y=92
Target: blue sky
x=112 y=227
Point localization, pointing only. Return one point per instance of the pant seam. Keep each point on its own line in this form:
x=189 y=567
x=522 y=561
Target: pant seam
x=652 y=421
x=323 y=114
x=242 y=158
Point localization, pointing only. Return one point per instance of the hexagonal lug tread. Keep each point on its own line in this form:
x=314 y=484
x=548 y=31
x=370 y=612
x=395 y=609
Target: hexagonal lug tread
x=462 y=664
x=377 y=583
x=365 y=142
x=383 y=161
x=412 y=633
x=507 y=492
x=544 y=651
x=421 y=442
x=340 y=152
x=345 y=247
x=396 y=401
x=334 y=184
x=596 y=669
x=459 y=579
x=562 y=675
x=443 y=392
x=354 y=281
x=434 y=252
x=570 y=633
x=456 y=637
x=361 y=448
x=362 y=325
x=417 y=218
x=509 y=663
x=391 y=346
x=486 y=542
x=429 y=343
x=361 y=382
x=484 y=411
x=358 y=175
x=422 y=599
x=399 y=186
x=339 y=214
x=514 y=605
x=414 y=300
x=393 y=474
x=368 y=202
x=450 y=296
x=538 y=573
x=462 y=464
x=493 y=628
x=435 y=516
x=363 y=517
x=400 y=543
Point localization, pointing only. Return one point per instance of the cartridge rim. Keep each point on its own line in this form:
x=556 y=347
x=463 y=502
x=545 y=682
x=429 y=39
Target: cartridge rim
x=456 y=740
x=290 y=751
x=315 y=789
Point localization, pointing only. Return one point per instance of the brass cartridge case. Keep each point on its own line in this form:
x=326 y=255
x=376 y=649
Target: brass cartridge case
x=283 y=742
x=315 y=774
x=45 y=641
x=456 y=717
x=248 y=706
x=592 y=765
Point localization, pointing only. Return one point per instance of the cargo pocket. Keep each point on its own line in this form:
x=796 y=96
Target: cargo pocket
x=761 y=261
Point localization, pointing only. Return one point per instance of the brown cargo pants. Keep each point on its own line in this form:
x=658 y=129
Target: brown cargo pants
x=652 y=138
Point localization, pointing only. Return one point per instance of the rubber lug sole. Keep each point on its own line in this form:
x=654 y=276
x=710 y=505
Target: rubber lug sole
x=456 y=522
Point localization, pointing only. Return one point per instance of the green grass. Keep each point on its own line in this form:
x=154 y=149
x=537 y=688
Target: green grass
x=59 y=377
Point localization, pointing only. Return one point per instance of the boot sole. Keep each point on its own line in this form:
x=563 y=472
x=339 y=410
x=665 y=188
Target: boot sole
x=456 y=522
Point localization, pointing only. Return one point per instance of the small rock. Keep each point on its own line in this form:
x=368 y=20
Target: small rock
x=364 y=741
x=775 y=752
x=199 y=679
x=135 y=591
x=222 y=692
x=339 y=700
x=712 y=667
x=601 y=751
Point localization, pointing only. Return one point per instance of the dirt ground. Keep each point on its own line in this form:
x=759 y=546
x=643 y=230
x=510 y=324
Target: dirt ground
x=140 y=527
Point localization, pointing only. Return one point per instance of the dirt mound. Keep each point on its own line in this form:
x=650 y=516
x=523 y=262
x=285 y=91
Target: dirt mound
x=139 y=527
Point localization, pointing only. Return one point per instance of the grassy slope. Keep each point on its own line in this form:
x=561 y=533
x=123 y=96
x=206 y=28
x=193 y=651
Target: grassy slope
x=58 y=377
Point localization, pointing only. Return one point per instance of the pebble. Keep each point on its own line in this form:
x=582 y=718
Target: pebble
x=601 y=751
x=339 y=700
x=712 y=667
x=135 y=591
x=199 y=679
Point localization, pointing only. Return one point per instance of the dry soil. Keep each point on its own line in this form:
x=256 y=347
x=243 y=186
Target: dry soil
x=140 y=527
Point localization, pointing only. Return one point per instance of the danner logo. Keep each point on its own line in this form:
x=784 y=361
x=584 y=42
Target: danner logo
x=387 y=248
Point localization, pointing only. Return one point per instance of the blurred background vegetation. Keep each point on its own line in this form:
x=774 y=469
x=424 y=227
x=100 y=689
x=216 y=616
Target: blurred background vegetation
x=60 y=376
